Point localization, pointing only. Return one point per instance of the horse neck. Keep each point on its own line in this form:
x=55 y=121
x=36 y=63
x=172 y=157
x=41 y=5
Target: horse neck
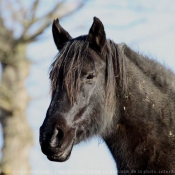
x=150 y=94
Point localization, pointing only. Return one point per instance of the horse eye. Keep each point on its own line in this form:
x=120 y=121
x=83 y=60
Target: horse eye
x=90 y=76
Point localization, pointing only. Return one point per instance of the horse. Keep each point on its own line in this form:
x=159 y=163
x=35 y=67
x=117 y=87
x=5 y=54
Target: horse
x=100 y=88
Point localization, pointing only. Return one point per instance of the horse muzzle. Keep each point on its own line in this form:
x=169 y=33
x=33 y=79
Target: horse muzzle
x=61 y=155
x=58 y=145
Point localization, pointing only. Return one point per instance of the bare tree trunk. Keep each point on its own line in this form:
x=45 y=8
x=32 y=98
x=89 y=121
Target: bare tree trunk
x=18 y=137
x=14 y=99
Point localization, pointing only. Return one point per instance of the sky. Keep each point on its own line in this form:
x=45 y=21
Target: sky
x=147 y=26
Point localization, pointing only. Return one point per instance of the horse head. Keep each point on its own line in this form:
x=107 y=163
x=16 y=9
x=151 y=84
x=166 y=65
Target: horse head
x=78 y=76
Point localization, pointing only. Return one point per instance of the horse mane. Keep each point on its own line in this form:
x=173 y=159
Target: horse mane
x=68 y=64
x=70 y=61
x=162 y=77
x=115 y=52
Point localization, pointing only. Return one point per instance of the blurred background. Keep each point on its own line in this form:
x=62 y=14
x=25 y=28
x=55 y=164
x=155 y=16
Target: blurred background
x=26 y=52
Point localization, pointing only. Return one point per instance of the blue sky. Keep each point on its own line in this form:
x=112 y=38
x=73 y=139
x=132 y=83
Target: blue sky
x=147 y=26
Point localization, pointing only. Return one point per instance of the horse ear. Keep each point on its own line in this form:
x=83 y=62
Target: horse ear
x=97 y=36
x=60 y=35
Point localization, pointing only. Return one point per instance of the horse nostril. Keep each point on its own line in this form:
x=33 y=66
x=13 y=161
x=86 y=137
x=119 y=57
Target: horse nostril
x=60 y=135
x=57 y=138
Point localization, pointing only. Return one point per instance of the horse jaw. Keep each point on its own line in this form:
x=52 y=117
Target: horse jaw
x=62 y=156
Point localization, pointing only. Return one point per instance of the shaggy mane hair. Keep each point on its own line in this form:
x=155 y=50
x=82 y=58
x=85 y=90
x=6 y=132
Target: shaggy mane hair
x=70 y=61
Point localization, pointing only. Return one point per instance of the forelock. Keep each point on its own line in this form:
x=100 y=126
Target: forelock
x=68 y=63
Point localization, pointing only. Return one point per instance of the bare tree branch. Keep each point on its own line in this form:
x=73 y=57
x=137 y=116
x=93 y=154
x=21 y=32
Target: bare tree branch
x=34 y=19
x=59 y=11
x=26 y=19
x=1 y=18
x=15 y=14
x=34 y=9
x=22 y=9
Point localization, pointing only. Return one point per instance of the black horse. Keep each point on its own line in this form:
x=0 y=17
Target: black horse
x=106 y=89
